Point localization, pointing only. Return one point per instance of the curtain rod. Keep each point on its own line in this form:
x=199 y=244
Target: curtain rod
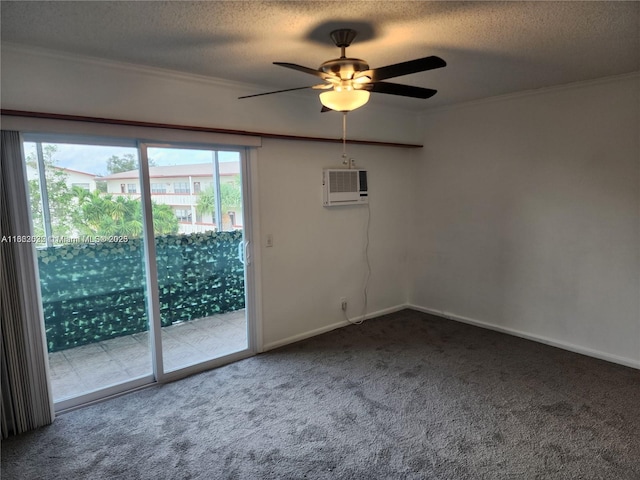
x=134 y=123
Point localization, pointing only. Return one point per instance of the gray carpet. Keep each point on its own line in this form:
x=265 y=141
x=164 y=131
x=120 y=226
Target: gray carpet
x=405 y=396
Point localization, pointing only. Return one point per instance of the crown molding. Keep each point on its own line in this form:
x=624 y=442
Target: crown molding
x=125 y=66
x=533 y=93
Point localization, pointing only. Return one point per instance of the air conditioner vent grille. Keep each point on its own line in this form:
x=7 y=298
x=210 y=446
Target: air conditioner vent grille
x=343 y=181
x=344 y=187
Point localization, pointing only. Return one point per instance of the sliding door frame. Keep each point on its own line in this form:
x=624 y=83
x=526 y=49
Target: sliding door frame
x=155 y=328
x=158 y=375
x=151 y=266
x=128 y=385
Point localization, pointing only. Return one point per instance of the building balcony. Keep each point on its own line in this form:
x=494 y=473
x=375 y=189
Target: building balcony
x=175 y=199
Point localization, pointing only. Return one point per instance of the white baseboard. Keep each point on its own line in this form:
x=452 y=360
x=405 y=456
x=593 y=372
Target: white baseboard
x=627 y=362
x=328 y=328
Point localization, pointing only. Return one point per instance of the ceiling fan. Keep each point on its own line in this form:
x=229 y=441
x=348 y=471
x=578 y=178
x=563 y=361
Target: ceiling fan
x=349 y=81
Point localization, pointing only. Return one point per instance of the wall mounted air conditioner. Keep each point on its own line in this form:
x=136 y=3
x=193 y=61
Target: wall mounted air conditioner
x=344 y=187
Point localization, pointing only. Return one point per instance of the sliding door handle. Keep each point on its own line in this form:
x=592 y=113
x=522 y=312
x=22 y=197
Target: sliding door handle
x=241 y=248
x=247 y=253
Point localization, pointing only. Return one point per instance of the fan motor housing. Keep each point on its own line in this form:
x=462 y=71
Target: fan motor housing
x=344 y=67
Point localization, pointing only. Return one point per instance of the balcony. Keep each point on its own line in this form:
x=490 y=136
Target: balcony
x=175 y=199
x=96 y=307
x=97 y=365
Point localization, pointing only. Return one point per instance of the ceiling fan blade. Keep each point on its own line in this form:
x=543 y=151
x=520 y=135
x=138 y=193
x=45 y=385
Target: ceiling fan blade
x=300 y=68
x=404 y=68
x=325 y=109
x=276 y=91
x=402 y=90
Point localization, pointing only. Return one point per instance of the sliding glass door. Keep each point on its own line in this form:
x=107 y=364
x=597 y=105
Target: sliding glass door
x=200 y=268
x=91 y=265
x=141 y=256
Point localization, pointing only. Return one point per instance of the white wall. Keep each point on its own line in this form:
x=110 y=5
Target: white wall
x=80 y=178
x=317 y=255
x=528 y=216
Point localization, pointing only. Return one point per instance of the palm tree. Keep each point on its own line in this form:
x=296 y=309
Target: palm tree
x=165 y=221
x=94 y=210
x=230 y=199
x=101 y=214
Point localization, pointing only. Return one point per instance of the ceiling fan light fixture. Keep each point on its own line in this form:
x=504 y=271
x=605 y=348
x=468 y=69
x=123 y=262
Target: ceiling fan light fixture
x=351 y=79
x=344 y=100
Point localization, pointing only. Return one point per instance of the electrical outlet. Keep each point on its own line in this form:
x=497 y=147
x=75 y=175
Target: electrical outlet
x=343 y=303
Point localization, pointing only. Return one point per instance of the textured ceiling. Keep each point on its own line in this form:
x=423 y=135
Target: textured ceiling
x=491 y=48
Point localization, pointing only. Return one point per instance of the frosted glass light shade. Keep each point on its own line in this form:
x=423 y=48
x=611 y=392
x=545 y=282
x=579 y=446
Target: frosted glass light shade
x=344 y=100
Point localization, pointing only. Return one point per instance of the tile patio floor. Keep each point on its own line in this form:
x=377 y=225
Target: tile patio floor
x=83 y=369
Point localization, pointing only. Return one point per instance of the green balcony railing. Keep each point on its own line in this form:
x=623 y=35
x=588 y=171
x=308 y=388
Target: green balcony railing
x=97 y=291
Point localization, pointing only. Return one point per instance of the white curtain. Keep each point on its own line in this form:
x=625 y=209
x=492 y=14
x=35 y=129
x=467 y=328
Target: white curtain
x=26 y=396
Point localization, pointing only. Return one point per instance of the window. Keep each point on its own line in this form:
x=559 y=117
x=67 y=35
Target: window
x=132 y=188
x=183 y=214
x=181 y=187
x=81 y=185
x=158 y=188
x=122 y=188
x=196 y=187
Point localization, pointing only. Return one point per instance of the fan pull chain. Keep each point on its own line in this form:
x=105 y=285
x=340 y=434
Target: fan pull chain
x=344 y=138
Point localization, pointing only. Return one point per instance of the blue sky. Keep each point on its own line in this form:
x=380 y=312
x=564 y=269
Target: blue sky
x=93 y=158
